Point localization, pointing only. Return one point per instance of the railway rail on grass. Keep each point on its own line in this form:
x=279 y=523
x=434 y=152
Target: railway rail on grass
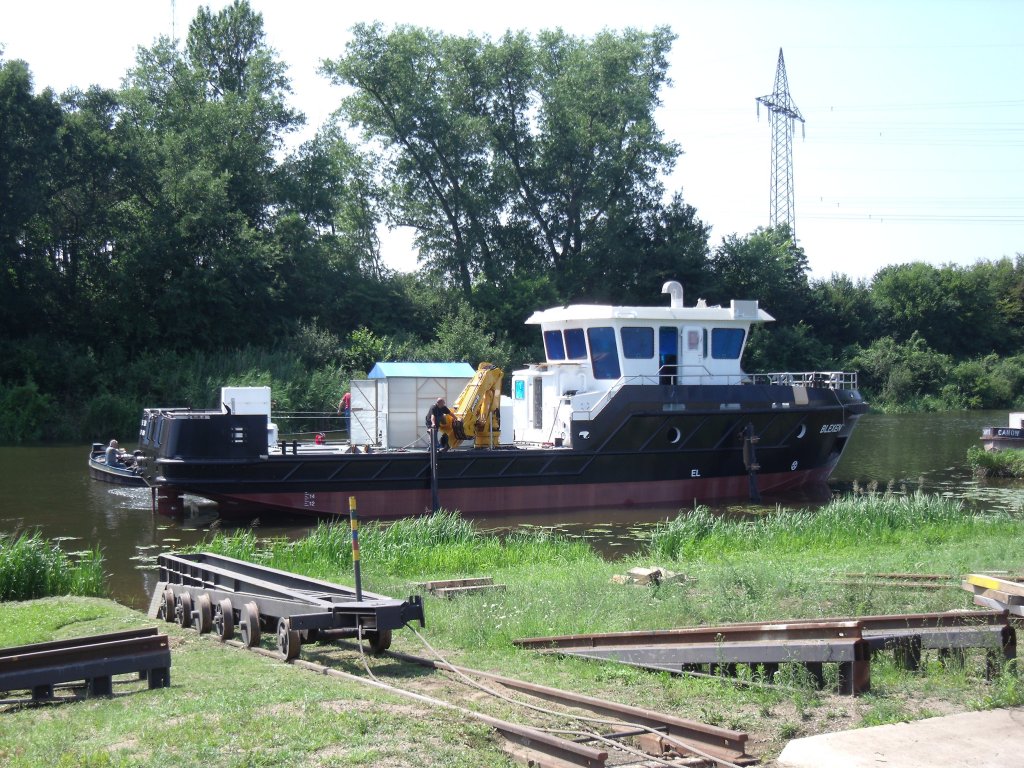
x=322 y=612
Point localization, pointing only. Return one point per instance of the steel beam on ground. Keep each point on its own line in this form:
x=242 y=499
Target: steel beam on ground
x=722 y=647
x=93 y=659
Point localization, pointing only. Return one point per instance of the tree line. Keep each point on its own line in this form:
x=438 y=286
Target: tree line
x=164 y=238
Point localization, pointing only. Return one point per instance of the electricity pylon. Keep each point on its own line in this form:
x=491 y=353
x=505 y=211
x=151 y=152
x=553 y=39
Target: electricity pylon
x=782 y=117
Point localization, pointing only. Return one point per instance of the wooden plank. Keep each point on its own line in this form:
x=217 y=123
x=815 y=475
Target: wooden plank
x=996 y=594
x=991 y=582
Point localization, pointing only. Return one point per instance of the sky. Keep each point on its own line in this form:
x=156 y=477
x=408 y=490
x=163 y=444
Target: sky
x=912 y=147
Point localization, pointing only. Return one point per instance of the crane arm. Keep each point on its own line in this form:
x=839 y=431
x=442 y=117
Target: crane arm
x=476 y=413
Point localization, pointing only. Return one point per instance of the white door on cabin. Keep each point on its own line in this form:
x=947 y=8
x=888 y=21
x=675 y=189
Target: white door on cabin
x=693 y=348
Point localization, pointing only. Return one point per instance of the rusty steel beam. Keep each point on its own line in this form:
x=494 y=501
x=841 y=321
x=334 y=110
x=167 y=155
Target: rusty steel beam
x=722 y=743
x=722 y=647
x=809 y=631
x=93 y=659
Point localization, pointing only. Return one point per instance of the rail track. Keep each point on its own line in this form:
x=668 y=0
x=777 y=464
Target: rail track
x=541 y=726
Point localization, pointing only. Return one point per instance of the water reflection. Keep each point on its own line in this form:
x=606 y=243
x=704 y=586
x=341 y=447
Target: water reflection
x=48 y=489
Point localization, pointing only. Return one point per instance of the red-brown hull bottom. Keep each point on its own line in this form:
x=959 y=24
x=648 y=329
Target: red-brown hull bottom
x=530 y=499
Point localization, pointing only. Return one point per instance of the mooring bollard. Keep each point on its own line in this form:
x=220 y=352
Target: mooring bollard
x=353 y=517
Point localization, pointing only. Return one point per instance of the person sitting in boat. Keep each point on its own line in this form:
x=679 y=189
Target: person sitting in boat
x=437 y=410
x=114 y=455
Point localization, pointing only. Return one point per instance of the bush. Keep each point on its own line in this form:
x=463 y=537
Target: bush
x=26 y=414
x=1008 y=463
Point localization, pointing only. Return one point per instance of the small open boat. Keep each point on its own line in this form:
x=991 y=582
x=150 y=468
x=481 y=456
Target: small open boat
x=98 y=469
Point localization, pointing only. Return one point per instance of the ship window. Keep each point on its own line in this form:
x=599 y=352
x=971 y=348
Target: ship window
x=553 y=345
x=692 y=339
x=575 y=344
x=637 y=343
x=604 y=355
x=726 y=343
x=519 y=389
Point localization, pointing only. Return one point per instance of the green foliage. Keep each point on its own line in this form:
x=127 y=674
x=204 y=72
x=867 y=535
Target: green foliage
x=840 y=525
x=157 y=243
x=31 y=567
x=1006 y=463
x=492 y=144
x=462 y=337
x=316 y=346
x=786 y=348
x=899 y=372
x=363 y=349
x=25 y=413
x=768 y=266
x=439 y=543
x=988 y=382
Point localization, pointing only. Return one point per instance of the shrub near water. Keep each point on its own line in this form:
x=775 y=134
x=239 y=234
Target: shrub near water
x=31 y=567
x=1008 y=463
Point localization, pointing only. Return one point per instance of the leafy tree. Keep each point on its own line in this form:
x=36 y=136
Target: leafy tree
x=364 y=349
x=841 y=313
x=901 y=372
x=765 y=265
x=515 y=155
x=30 y=128
x=952 y=307
x=205 y=126
x=462 y=338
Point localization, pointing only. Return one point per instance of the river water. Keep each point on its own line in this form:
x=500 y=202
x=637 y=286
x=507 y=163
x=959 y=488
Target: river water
x=49 y=489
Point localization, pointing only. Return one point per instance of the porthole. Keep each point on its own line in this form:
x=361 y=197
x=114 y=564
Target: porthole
x=674 y=435
x=802 y=432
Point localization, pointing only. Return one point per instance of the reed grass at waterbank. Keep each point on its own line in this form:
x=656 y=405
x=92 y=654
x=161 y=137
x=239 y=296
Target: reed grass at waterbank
x=33 y=567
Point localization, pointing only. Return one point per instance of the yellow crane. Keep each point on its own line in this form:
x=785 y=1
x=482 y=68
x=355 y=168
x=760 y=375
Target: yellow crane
x=476 y=414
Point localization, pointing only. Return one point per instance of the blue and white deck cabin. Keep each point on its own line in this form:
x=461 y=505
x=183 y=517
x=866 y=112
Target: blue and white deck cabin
x=593 y=350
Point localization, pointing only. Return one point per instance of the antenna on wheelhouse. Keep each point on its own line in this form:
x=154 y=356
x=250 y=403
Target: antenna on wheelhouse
x=782 y=117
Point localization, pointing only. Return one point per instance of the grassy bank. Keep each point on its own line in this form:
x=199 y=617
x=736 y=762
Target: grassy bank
x=784 y=564
x=1008 y=463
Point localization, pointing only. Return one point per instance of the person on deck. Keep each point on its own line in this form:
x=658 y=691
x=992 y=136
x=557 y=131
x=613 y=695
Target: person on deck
x=114 y=454
x=345 y=409
x=437 y=410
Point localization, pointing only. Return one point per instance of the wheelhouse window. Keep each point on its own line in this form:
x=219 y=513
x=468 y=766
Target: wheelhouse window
x=575 y=344
x=637 y=343
x=726 y=343
x=553 y=345
x=604 y=355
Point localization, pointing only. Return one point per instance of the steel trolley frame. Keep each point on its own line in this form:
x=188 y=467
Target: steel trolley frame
x=218 y=593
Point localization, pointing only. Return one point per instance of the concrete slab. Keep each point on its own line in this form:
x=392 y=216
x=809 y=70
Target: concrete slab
x=993 y=739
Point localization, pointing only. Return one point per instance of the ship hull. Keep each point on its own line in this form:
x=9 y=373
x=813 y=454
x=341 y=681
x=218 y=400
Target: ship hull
x=649 y=446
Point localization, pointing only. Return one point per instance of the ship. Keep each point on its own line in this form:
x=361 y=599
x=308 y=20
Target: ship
x=632 y=406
